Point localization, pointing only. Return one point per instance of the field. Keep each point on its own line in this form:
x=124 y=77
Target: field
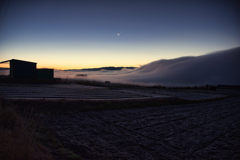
x=193 y=131
x=155 y=124
x=84 y=92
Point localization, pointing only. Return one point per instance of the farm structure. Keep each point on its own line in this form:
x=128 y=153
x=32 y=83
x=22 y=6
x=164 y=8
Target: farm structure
x=27 y=70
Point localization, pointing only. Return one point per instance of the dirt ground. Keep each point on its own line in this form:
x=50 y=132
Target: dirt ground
x=207 y=130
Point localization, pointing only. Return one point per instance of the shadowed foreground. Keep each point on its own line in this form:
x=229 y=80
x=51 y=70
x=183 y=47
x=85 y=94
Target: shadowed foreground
x=189 y=131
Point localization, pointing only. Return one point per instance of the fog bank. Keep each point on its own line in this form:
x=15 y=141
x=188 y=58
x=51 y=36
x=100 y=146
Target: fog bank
x=222 y=67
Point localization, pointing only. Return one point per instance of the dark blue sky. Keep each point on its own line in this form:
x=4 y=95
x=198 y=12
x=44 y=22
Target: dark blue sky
x=79 y=34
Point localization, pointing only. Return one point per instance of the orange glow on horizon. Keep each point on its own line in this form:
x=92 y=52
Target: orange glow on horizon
x=66 y=67
x=4 y=65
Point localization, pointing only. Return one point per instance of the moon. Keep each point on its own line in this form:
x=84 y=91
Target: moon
x=118 y=34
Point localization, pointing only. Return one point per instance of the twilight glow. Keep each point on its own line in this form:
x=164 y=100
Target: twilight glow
x=85 y=34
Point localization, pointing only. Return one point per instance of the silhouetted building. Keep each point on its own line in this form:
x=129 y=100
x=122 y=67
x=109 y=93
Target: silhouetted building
x=44 y=73
x=27 y=70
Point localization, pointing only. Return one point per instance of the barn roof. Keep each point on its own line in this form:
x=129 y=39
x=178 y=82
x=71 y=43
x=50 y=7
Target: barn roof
x=16 y=60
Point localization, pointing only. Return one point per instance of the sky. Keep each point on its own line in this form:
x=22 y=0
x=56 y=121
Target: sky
x=75 y=34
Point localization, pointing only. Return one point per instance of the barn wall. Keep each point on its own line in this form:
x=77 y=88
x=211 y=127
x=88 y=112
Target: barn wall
x=44 y=73
x=22 y=69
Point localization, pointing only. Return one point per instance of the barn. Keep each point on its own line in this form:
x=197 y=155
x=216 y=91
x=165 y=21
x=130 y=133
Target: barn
x=20 y=69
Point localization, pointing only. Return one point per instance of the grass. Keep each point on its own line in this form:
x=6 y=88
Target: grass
x=22 y=138
x=133 y=86
x=17 y=138
x=65 y=152
x=57 y=149
x=63 y=106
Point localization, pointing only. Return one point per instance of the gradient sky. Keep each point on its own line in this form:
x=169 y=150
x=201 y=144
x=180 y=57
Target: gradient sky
x=74 y=34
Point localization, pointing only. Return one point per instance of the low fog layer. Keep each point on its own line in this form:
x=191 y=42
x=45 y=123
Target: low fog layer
x=221 y=67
